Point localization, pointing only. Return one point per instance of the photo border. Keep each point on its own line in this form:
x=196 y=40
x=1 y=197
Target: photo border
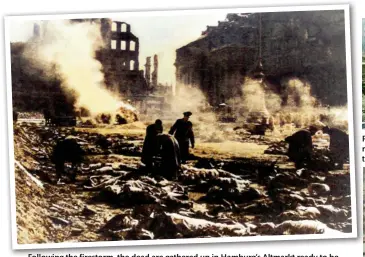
x=350 y=105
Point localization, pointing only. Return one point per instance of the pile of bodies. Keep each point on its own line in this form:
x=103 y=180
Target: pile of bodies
x=210 y=198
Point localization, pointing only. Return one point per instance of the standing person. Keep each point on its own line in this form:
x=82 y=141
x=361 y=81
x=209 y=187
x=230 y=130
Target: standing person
x=339 y=144
x=183 y=132
x=301 y=146
x=150 y=147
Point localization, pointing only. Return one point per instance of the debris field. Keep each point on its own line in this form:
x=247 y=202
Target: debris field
x=216 y=195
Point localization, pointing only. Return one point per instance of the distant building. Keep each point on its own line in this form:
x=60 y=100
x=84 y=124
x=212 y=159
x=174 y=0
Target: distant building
x=120 y=61
x=309 y=45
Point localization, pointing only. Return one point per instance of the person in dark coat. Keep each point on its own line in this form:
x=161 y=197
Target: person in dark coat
x=301 y=146
x=168 y=150
x=67 y=150
x=183 y=132
x=150 y=143
x=339 y=144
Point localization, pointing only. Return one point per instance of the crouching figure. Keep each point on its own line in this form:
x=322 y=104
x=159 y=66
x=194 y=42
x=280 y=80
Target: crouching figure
x=339 y=145
x=301 y=147
x=169 y=153
x=67 y=150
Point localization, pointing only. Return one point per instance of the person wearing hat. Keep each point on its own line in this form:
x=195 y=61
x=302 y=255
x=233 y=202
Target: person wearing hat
x=183 y=132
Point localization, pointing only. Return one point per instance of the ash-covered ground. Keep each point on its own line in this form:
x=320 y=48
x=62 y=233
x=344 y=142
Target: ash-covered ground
x=243 y=185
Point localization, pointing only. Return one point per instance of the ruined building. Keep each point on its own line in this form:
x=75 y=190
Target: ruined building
x=309 y=45
x=148 y=71
x=155 y=71
x=32 y=91
x=151 y=77
x=119 y=58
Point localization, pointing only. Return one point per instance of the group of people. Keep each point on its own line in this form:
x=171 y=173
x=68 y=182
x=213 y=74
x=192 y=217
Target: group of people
x=165 y=152
x=168 y=151
x=301 y=146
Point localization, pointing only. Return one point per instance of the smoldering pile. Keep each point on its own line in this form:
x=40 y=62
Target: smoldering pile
x=122 y=116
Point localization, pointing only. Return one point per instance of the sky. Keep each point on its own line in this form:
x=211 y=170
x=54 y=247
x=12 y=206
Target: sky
x=158 y=34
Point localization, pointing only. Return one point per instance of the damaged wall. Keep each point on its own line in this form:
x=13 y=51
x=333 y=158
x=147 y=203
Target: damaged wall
x=308 y=45
x=119 y=58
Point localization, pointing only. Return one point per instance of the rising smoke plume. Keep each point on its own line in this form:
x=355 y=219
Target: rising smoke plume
x=204 y=119
x=291 y=109
x=295 y=105
x=68 y=49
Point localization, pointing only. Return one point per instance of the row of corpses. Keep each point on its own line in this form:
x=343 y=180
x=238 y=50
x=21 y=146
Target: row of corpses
x=210 y=202
x=210 y=198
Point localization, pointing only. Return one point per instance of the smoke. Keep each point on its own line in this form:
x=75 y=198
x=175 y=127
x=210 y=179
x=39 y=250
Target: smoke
x=295 y=106
x=205 y=123
x=257 y=98
x=291 y=109
x=68 y=49
x=299 y=94
x=309 y=110
x=189 y=98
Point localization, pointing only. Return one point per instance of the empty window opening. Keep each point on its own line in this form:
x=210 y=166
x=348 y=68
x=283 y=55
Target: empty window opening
x=114 y=26
x=131 y=65
x=123 y=45
x=132 y=46
x=113 y=44
x=124 y=27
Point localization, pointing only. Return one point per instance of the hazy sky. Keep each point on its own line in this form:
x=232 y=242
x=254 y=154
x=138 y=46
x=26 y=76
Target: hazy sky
x=160 y=35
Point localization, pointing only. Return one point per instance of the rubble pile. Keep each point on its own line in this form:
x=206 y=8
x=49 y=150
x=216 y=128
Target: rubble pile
x=113 y=198
x=121 y=116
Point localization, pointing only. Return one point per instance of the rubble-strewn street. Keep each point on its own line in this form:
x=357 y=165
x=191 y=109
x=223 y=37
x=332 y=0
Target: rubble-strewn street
x=246 y=188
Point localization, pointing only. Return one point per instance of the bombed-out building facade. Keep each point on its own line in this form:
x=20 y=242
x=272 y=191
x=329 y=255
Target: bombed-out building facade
x=307 y=45
x=120 y=60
